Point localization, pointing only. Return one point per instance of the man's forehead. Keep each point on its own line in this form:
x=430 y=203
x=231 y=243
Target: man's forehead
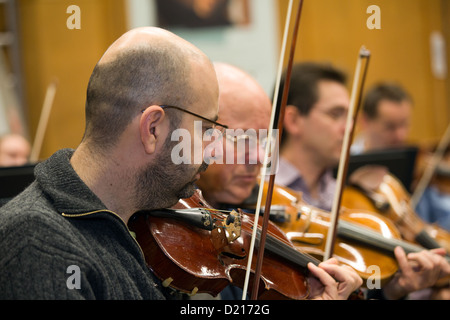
x=245 y=112
x=332 y=94
x=386 y=103
x=394 y=109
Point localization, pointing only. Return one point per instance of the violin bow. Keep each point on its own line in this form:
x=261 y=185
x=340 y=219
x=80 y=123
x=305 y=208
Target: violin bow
x=43 y=120
x=429 y=171
x=270 y=147
x=355 y=104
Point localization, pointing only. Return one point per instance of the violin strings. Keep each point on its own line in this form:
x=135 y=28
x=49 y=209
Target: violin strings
x=222 y=214
x=251 y=222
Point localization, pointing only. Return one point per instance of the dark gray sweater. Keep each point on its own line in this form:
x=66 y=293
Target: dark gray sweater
x=57 y=236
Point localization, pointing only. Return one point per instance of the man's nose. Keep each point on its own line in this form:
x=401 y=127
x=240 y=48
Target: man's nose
x=254 y=153
x=401 y=134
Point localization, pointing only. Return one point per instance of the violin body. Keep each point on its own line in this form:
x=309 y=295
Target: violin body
x=160 y=240
x=393 y=201
x=192 y=259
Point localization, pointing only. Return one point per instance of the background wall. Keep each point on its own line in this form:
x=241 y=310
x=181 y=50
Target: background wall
x=252 y=47
x=330 y=31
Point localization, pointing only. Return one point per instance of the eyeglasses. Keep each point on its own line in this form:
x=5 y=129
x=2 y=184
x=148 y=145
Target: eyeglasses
x=242 y=137
x=252 y=139
x=215 y=125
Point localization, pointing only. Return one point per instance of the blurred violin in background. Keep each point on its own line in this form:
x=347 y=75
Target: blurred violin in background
x=373 y=188
x=440 y=177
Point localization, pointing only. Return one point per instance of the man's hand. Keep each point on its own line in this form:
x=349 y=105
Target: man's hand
x=332 y=281
x=417 y=271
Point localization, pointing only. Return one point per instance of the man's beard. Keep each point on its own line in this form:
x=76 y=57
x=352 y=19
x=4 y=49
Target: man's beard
x=163 y=183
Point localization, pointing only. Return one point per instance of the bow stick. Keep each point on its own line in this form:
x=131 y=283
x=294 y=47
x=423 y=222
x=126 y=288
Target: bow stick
x=274 y=158
x=429 y=171
x=43 y=120
x=355 y=103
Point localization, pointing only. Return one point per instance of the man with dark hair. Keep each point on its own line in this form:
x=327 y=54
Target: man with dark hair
x=385 y=123
x=314 y=127
x=66 y=236
x=385 y=120
x=304 y=91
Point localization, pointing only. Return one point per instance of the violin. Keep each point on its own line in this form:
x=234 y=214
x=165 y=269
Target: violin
x=364 y=239
x=194 y=248
x=434 y=168
x=390 y=198
x=440 y=178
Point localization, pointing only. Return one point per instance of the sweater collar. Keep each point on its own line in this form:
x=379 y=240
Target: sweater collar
x=63 y=187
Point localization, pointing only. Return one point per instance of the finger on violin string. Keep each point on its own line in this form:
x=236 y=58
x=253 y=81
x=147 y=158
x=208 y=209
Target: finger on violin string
x=331 y=261
x=341 y=274
x=439 y=261
x=427 y=261
x=402 y=260
x=439 y=251
x=321 y=274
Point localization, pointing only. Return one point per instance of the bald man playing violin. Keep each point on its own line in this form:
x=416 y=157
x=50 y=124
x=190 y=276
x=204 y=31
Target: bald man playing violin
x=66 y=235
x=244 y=105
x=314 y=127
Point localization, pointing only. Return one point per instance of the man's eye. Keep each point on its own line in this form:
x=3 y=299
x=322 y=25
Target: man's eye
x=337 y=114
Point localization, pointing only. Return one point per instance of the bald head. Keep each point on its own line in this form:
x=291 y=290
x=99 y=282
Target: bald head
x=14 y=150
x=148 y=37
x=243 y=102
x=145 y=66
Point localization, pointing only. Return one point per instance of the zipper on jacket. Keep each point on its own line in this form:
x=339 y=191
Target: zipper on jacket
x=78 y=215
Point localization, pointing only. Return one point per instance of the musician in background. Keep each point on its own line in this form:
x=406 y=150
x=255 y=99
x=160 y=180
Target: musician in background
x=14 y=150
x=245 y=105
x=385 y=123
x=385 y=119
x=314 y=128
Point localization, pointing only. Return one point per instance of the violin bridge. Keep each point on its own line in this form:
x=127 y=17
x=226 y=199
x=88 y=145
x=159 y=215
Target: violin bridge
x=227 y=231
x=232 y=226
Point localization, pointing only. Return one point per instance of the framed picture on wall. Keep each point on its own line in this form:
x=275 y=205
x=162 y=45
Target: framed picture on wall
x=202 y=13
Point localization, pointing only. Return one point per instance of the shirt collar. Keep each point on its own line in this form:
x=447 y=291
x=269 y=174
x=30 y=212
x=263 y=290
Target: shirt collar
x=287 y=173
x=291 y=177
x=63 y=187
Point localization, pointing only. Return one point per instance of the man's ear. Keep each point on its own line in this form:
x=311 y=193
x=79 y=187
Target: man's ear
x=293 y=120
x=150 y=127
